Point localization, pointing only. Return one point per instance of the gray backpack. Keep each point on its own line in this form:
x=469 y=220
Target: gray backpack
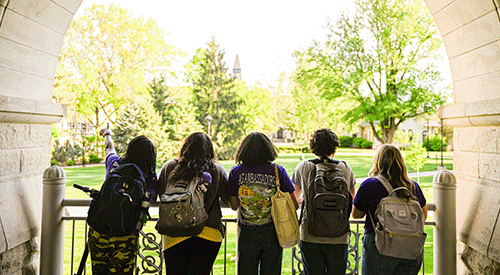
x=182 y=208
x=328 y=200
x=399 y=231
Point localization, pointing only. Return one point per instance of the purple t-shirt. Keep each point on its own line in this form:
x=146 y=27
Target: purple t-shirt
x=370 y=192
x=254 y=187
x=113 y=161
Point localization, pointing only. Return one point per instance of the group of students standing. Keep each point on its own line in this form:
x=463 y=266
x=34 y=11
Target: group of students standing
x=248 y=190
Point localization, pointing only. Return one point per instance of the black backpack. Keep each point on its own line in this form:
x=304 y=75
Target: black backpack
x=116 y=209
x=328 y=200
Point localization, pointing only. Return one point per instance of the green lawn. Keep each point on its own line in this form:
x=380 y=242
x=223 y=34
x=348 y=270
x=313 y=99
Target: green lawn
x=361 y=162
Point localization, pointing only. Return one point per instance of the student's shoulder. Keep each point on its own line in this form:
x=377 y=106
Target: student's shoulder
x=112 y=161
x=236 y=168
x=219 y=168
x=370 y=183
x=305 y=165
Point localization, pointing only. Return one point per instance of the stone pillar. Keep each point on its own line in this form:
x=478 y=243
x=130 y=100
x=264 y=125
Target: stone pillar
x=445 y=230
x=52 y=244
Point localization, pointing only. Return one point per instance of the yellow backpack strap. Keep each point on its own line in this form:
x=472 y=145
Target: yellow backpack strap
x=277 y=176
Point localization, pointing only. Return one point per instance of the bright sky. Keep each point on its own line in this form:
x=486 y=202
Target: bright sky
x=264 y=33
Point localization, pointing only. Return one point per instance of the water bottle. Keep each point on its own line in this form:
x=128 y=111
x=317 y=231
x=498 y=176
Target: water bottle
x=142 y=216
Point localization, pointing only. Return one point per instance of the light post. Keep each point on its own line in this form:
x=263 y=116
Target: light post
x=209 y=119
x=424 y=135
x=428 y=134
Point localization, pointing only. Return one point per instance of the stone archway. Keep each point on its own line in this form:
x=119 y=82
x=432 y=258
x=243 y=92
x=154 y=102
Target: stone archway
x=32 y=32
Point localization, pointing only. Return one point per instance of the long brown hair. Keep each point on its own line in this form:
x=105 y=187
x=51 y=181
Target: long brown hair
x=389 y=163
x=196 y=156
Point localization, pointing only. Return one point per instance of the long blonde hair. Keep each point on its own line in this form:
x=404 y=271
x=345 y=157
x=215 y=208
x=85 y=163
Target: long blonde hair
x=389 y=163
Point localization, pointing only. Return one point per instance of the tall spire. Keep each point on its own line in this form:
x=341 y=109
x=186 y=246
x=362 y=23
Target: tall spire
x=237 y=68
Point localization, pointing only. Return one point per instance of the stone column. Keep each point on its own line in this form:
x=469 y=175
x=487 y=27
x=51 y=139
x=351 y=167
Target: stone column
x=52 y=243
x=445 y=230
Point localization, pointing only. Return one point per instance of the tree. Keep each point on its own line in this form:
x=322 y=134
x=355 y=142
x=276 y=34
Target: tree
x=107 y=59
x=177 y=115
x=381 y=58
x=141 y=119
x=312 y=111
x=415 y=156
x=214 y=94
x=257 y=107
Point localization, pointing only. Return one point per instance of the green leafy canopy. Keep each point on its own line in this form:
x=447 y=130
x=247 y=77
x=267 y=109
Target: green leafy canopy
x=381 y=58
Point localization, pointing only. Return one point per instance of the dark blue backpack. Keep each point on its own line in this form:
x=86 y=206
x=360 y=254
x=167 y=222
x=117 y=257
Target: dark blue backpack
x=116 y=209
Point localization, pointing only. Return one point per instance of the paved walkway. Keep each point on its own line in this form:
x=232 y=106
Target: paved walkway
x=411 y=175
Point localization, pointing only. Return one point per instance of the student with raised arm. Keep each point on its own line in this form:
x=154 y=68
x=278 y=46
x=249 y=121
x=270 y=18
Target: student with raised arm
x=112 y=254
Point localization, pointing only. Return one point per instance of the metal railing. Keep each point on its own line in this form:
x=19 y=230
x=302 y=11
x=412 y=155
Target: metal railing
x=150 y=256
x=55 y=212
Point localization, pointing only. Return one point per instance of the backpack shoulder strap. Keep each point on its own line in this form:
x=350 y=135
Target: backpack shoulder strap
x=277 y=177
x=387 y=185
x=322 y=159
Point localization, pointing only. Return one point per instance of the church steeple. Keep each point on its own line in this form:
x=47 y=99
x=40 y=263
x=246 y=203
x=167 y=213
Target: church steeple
x=237 y=68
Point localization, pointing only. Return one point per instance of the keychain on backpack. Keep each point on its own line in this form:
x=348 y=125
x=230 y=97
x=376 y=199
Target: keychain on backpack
x=143 y=217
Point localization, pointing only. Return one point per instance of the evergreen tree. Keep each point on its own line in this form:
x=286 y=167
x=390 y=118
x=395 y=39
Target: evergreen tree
x=173 y=106
x=214 y=94
x=140 y=118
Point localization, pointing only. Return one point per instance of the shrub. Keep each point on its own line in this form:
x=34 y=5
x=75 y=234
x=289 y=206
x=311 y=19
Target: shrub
x=292 y=149
x=367 y=144
x=358 y=142
x=93 y=158
x=434 y=144
x=70 y=162
x=54 y=162
x=345 y=141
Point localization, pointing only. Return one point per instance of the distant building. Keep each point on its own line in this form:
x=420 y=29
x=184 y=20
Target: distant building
x=415 y=128
x=71 y=128
x=283 y=136
x=237 y=68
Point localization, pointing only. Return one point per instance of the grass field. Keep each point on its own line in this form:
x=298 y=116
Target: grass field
x=361 y=162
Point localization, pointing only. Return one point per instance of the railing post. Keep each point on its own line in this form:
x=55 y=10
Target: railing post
x=52 y=242
x=445 y=230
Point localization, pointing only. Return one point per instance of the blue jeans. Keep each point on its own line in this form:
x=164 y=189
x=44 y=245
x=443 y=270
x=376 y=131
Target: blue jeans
x=319 y=259
x=374 y=263
x=259 y=247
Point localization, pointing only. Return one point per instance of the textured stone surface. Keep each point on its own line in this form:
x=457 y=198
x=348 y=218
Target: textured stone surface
x=35 y=159
x=20 y=217
x=477 y=62
x=436 y=5
x=466 y=163
x=18 y=57
x=10 y=162
x=459 y=13
x=489 y=166
x=20 y=259
x=483 y=87
x=27 y=32
x=40 y=135
x=21 y=84
x=476 y=34
x=46 y=13
x=478 y=263
x=13 y=136
x=477 y=139
x=479 y=215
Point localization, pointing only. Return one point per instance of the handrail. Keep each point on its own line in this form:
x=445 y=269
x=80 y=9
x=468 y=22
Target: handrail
x=150 y=238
